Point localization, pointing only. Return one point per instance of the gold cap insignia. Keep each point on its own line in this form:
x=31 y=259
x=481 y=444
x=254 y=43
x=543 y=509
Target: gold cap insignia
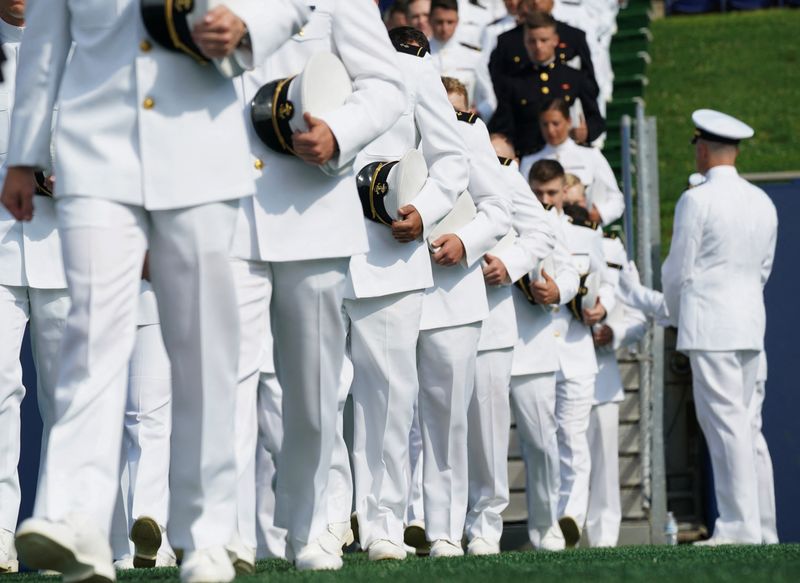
x=285 y=110
x=381 y=188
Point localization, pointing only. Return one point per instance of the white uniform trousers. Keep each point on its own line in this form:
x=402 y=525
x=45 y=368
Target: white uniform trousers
x=415 y=509
x=489 y=426
x=104 y=244
x=446 y=365
x=383 y=348
x=340 y=480
x=253 y=281
x=309 y=334
x=533 y=398
x=270 y=538
x=723 y=386
x=145 y=441
x=766 y=480
x=47 y=311
x=604 y=514
x=573 y=405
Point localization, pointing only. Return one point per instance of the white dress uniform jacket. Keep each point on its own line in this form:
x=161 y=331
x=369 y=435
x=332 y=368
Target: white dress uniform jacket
x=576 y=353
x=299 y=212
x=534 y=242
x=30 y=252
x=119 y=90
x=453 y=59
x=473 y=18
x=494 y=30
x=389 y=266
x=535 y=350
x=459 y=294
x=718 y=263
x=592 y=168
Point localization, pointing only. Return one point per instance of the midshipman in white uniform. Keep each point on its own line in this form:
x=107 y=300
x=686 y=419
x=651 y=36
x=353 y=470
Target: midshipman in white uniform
x=134 y=140
x=385 y=294
x=301 y=229
x=32 y=289
x=533 y=375
x=713 y=281
x=452 y=312
x=530 y=241
x=454 y=58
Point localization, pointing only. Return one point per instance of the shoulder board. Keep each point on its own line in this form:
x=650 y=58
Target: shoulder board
x=588 y=224
x=466 y=116
x=469 y=46
x=615 y=265
x=505 y=161
x=610 y=235
x=477 y=4
x=547 y=206
x=411 y=50
x=496 y=21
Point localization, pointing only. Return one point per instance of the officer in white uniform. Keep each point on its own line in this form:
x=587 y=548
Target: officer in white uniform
x=385 y=293
x=464 y=62
x=717 y=266
x=124 y=102
x=300 y=231
x=32 y=289
x=603 y=197
x=533 y=382
x=452 y=312
x=530 y=241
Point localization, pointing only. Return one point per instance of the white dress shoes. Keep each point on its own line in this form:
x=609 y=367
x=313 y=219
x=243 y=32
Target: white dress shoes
x=72 y=546
x=446 y=548
x=386 y=550
x=480 y=546
x=319 y=555
x=210 y=565
x=553 y=540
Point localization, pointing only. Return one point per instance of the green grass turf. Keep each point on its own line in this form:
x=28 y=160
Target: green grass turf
x=646 y=564
x=746 y=64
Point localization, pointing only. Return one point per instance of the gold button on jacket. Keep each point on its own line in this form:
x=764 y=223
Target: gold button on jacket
x=148 y=103
x=145 y=46
x=259 y=164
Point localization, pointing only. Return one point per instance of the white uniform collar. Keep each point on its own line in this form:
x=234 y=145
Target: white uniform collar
x=10 y=33
x=720 y=171
x=437 y=46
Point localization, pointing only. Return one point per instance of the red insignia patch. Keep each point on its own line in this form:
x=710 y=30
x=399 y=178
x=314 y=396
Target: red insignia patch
x=565 y=86
x=562 y=45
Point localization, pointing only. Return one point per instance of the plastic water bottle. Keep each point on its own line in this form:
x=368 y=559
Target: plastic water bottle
x=671 y=530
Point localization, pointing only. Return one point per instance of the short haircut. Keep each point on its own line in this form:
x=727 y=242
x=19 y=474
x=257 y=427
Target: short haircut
x=453 y=85
x=571 y=180
x=545 y=171
x=408 y=35
x=444 y=5
x=398 y=6
x=538 y=19
x=555 y=104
